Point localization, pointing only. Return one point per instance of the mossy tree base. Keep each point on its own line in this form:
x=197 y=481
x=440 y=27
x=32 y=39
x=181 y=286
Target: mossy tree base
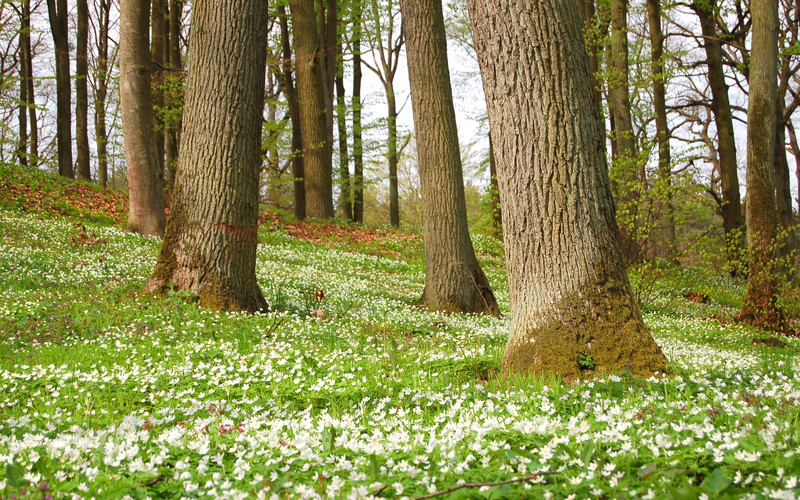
x=761 y=309
x=460 y=292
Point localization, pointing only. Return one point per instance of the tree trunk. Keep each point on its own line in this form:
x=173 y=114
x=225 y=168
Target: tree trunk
x=330 y=29
x=454 y=281
x=793 y=144
x=392 y=157
x=58 y=14
x=497 y=213
x=22 y=144
x=82 y=92
x=783 y=192
x=358 y=147
x=157 y=50
x=145 y=195
x=27 y=81
x=760 y=307
x=173 y=42
x=662 y=127
x=572 y=309
x=210 y=243
x=101 y=92
x=345 y=197
x=311 y=96
x=290 y=92
x=596 y=28
x=618 y=90
x=723 y=118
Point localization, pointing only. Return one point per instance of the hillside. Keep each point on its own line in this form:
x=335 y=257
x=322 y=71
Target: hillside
x=356 y=391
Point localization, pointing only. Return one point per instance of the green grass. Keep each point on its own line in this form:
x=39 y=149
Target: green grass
x=107 y=392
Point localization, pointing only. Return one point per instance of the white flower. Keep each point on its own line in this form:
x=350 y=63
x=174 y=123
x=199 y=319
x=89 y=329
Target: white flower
x=398 y=488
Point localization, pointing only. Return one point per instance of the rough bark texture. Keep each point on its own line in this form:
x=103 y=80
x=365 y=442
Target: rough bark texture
x=618 y=93
x=760 y=306
x=572 y=309
x=101 y=91
x=662 y=127
x=317 y=166
x=22 y=144
x=210 y=244
x=723 y=119
x=145 y=194
x=454 y=281
x=358 y=147
x=27 y=82
x=58 y=14
x=392 y=156
x=345 y=196
x=158 y=48
x=82 y=92
x=497 y=212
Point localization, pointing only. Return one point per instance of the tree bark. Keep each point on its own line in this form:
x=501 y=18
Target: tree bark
x=662 y=127
x=497 y=212
x=145 y=195
x=82 y=92
x=22 y=144
x=27 y=82
x=392 y=156
x=101 y=92
x=795 y=147
x=723 y=118
x=358 y=147
x=210 y=243
x=58 y=14
x=454 y=281
x=317 y=166
x=760 y=307
x=618 y=90
x=572 y=309
x=158 y=26
x=173 y=49
x=346 y=196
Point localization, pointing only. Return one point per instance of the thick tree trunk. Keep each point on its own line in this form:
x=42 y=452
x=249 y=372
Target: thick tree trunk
x=760 y=307
x=82 y=92
x=210 y=243
x=454 y=281
x=101 y=92
x=294 y=113
x=572 y=309
x=58 y=14
x=145 y=195
x=358 y=147
x=621 y=105
x=662 y=127
x=158 y=47
x=723 y=118
x=173 y=49
x=317 y=166
x=392 y=156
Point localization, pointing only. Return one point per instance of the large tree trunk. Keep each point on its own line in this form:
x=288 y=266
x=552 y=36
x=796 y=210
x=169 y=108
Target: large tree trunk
x=760 y=306
x=358 y=147
x=662 y=127
x=572 y=308
x=210 y=244
x=454 y=281
x=618 y=90
x=311 y=96
x=82 y=92
x=101 y=92
x=723 y=118
x=145 y=194
x=58 y=14
x=289 y=90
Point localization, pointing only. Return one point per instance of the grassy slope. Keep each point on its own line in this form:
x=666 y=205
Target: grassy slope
x=104 y=392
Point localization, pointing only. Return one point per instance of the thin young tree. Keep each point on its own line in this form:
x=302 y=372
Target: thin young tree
x=83 y=170
x=454 y=281
x=100 y=87
x=58 y=14
x=358 y=145
x=210 y=243
x=572 y=308
x=760 y=307
x=145 y=194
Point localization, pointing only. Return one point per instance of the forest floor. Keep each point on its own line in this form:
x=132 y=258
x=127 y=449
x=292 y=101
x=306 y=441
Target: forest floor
x=106 y=392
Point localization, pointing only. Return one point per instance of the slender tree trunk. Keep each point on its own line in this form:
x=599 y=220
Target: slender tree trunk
x=58 y=14
x=310 y=93
x=294 y=113
x=82 y=92
x=795 y=147
x=27 y=81
x=723 y=118
x=454 y=281
x=145 y=195
x=572 y=309
x=662 y=127
x=346 y=196
x=329 y=72
x=22 y=145
x=618 y=90
x=596 y=28
x=358 y=148
x=783 y=193
x=392 y=156
x=210 y=243
x=101 y=92
x=760 y=307
x=173 y=48
x=158 y=47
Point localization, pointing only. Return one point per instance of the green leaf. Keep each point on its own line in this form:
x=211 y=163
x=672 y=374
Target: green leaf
x=15 y=474
x=329 y=439
x=588 y=452
x=716 y=482
x=374 y=468
x=647 y=471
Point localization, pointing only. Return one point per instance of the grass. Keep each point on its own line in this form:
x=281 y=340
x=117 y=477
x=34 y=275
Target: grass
x=105 y=392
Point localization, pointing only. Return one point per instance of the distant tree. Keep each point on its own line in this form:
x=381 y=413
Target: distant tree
x=454 y=281
x=59 y=14
x=145 y=194
x=100 y=87
x=572 y=308
x=317 y=168
x=82 y=91
x=210 y=243
x=760 y=307
x=358 y=145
